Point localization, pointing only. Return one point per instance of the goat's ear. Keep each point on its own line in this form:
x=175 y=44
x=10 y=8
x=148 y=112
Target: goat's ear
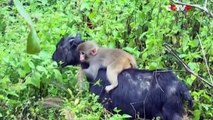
x=78 y=36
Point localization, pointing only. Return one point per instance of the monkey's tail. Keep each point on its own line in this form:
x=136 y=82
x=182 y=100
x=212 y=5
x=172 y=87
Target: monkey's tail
x=133 y=62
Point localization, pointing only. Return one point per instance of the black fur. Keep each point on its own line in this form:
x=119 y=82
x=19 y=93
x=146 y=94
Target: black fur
x=140 y=92
x=66 y=52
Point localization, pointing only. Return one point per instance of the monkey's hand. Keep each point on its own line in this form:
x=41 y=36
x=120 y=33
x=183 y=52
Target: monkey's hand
x=109 y=88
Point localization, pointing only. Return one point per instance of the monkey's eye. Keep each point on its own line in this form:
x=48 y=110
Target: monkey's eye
x=82 y=53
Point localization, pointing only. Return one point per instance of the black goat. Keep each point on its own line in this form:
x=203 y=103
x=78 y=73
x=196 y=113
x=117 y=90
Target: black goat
x=141 y=93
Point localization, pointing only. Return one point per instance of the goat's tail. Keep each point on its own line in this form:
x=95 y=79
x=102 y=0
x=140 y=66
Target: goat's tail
x=186 y=96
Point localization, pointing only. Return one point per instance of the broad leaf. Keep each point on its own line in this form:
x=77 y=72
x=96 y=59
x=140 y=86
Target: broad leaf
x=32 y=39
x=33 y=42
x=23 y=12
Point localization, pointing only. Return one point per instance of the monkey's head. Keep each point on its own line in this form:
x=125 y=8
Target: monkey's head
x=66 y=51
x=87 y=51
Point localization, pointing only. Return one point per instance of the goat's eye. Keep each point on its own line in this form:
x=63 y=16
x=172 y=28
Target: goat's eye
x=73 y=45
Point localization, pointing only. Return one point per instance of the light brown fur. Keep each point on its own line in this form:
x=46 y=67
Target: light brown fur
x=115 y=60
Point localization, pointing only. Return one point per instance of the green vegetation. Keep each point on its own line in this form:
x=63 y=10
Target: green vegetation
x=31 y=85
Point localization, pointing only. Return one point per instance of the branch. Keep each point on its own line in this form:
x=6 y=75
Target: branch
x=203 y=8
x=205 y=4
x=204 y=57
x=187 y=68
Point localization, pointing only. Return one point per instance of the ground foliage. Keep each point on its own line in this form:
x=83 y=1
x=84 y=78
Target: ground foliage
x=31 y=85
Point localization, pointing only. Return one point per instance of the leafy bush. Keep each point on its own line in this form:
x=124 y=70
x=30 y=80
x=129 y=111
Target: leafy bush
x=139 y=27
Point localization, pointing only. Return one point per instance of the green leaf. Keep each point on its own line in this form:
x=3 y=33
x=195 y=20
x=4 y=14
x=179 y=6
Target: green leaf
x=23 y=12
x=153 y=65
x=84 y=6
x=197 y=115
x=41 y=68
x=132 y=50
x=2 y=97
x=129 y=49
x=18 y=87
x=21 y=72
x=35 y=80
x=33 y=42
x=2 y=23
x=4 y=82
x=189 y=81
x=193 y=66
x=44 y=55
x=32 y=39
x=31 y=64
x=57 y=74
x=13 y=93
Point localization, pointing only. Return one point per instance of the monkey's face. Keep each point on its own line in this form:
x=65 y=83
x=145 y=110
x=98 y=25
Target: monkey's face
x=87 y=51
x=66 y=51
x=85 y=56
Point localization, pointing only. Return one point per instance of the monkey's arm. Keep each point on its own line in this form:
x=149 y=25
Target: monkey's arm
x=92 y=71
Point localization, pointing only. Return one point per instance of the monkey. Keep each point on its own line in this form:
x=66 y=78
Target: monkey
x=114 y=59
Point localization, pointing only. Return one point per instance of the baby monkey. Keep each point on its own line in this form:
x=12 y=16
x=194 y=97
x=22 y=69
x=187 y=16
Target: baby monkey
x=115 y=60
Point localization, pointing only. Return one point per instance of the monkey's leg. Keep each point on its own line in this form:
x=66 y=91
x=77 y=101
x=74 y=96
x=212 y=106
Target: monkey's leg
x=112 y=74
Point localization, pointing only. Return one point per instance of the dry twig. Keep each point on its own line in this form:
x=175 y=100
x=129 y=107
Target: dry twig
x=169 y=48
x=204 y=57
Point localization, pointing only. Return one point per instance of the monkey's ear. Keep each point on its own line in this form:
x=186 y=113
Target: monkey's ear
x=93 y=51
